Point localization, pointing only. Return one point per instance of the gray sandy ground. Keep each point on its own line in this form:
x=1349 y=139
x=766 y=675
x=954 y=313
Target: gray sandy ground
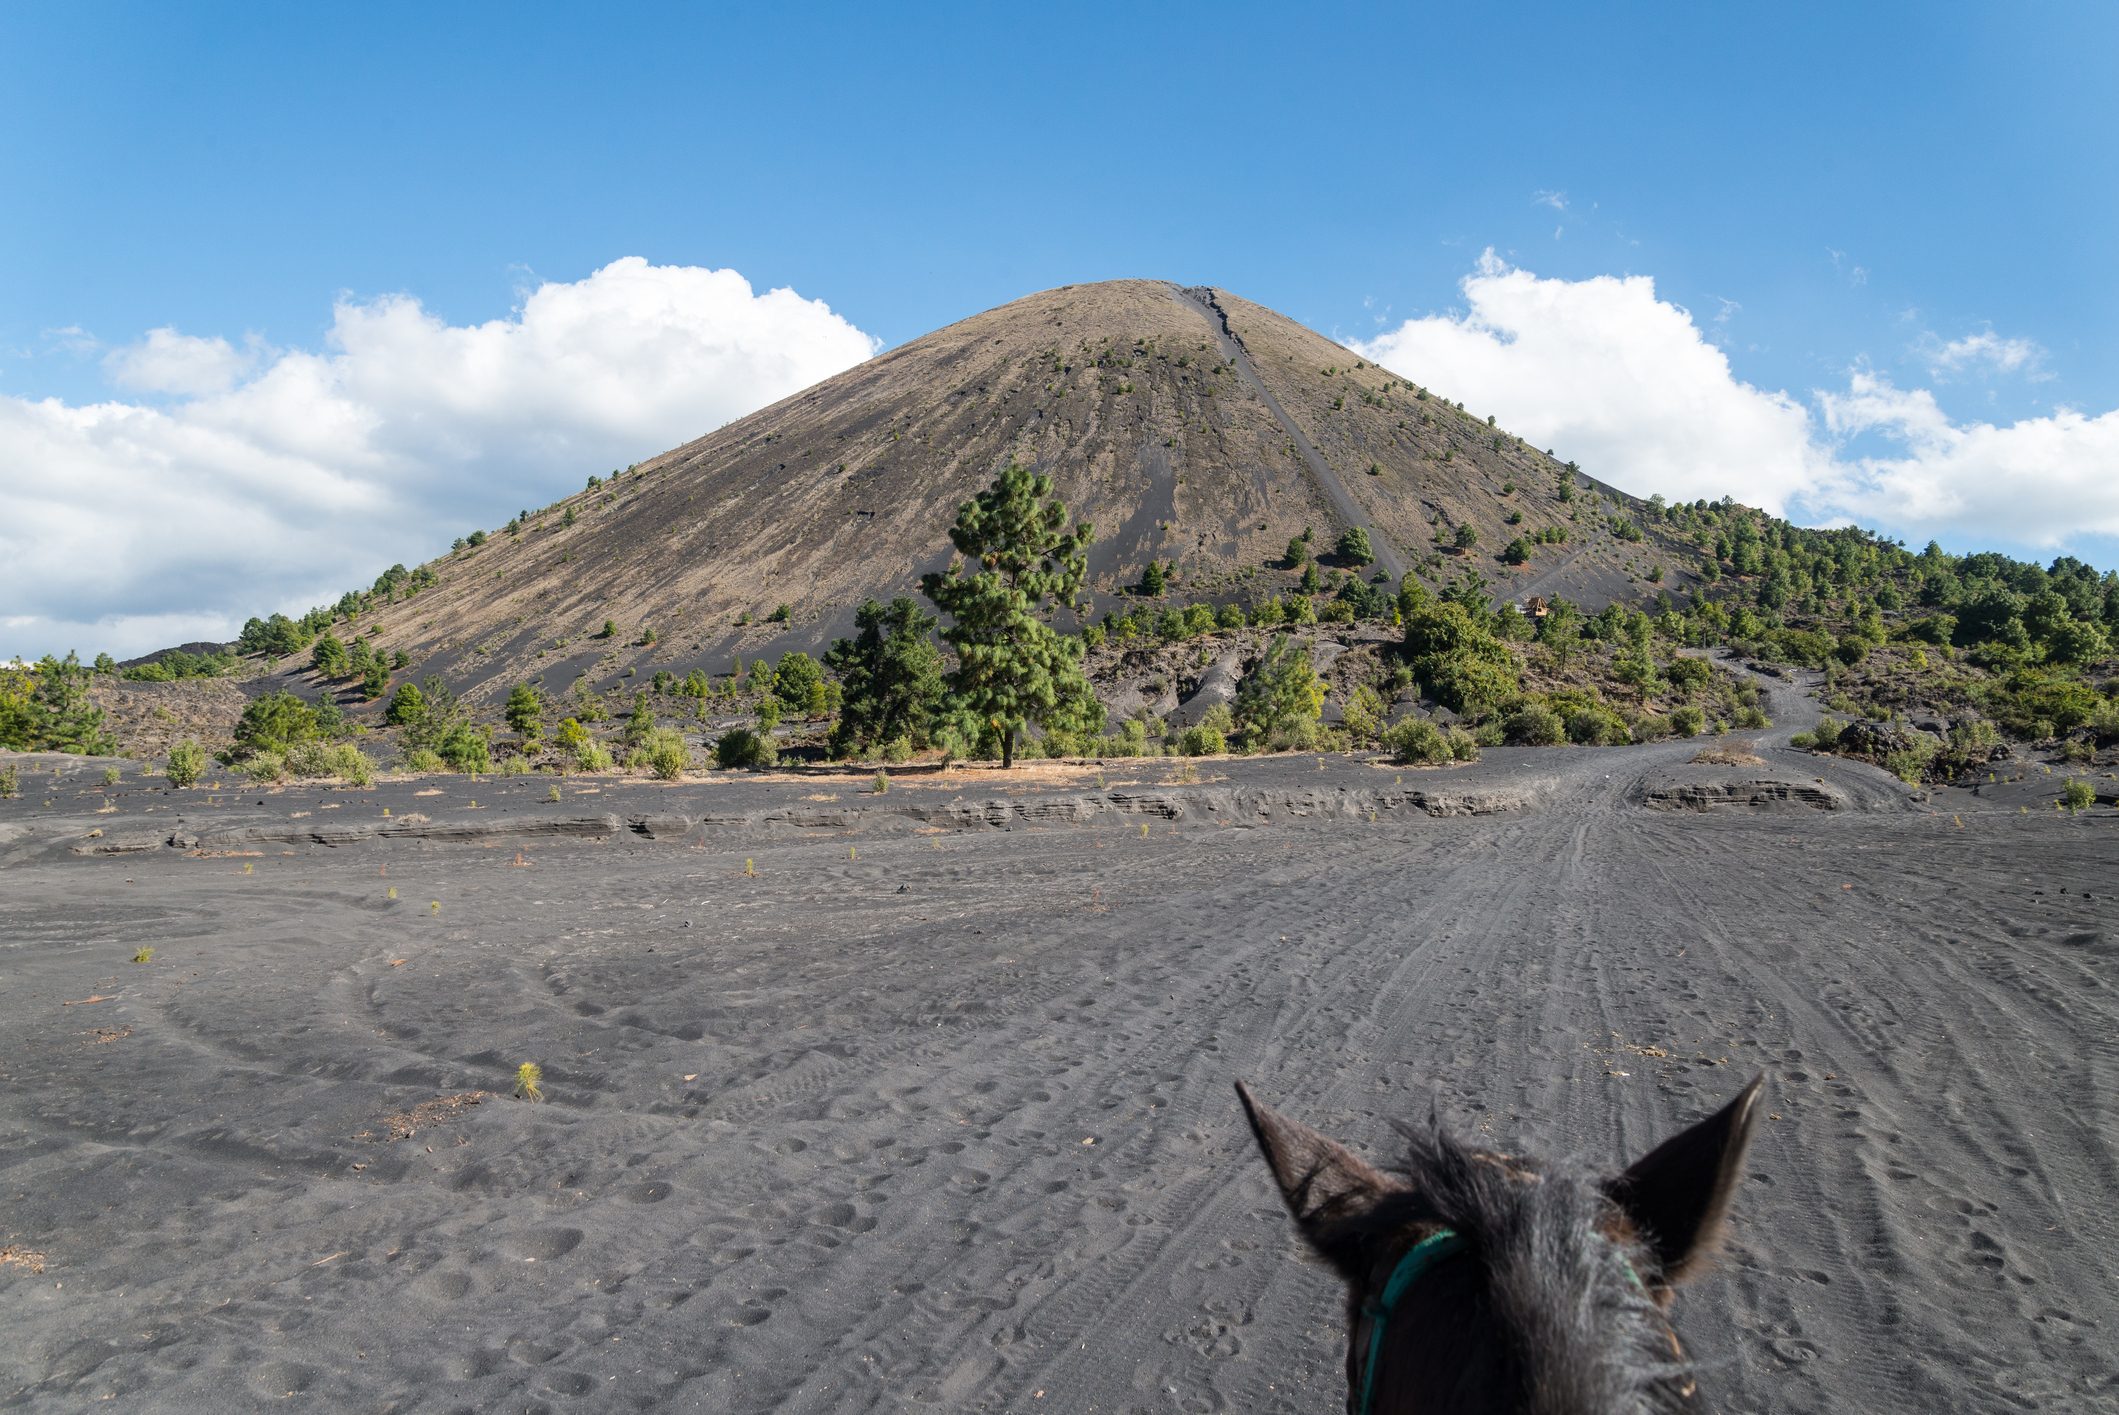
x=932 y=1111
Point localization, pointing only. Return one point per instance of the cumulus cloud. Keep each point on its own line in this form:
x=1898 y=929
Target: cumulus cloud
x=1630 y=386
x=1611 y=377
x=2040 y=481
x=169 y=362
x=276 y=480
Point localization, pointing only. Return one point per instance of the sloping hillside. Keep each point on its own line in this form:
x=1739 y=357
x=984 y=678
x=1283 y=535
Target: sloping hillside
x=1191 y=427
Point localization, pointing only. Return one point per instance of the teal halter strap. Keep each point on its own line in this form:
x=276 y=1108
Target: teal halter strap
x=1417 y=1260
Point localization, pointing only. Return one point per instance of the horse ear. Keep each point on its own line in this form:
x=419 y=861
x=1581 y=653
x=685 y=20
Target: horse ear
x=1327 y=1187
x=1678 y=1194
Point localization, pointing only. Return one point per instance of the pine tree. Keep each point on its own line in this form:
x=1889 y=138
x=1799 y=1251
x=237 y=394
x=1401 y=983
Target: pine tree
x=798 y=682
x=56 y=714
x=1354 y=546
x=408 y=707
x=1154 y=580
x=640 y=724
x=891 y=676
x=1013 y=668
x=328 y=658
x=525 y=712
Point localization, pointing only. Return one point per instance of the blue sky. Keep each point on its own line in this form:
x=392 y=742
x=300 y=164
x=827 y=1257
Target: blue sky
x=1898 y=218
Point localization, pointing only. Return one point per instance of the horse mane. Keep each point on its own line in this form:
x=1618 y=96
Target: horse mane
x=1558 y=1272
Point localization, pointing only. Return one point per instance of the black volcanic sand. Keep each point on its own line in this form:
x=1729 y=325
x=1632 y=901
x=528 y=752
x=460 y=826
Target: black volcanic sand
x=931 y=1112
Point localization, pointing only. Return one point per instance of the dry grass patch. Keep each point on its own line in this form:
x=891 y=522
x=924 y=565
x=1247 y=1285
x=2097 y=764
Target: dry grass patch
x=1730 y=754
x=424 y=1116
x=13 y=1255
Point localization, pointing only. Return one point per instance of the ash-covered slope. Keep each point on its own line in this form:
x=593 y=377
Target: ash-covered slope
x=1189 y=426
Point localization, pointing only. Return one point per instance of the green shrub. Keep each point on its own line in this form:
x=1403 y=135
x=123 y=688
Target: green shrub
x=465 y=749
x=1596 y=727
x=265 y=767
x=1688 y=720
x=1419 y=742
x=274 y=723
x=351 y=765
x=1910 y=763
x=667 y=755
x=187 y=763
x=1752 y=719
x=1202 y=741
x=2077 y=794
x=1460 y=662
x=1279 y=702
x=1533 y=725
x=422 y=761
x=1463 y=745
x=592 y=756
x=1826 y=733
x=572 y=736
x=1364 y=714
x=10 y=783
x=740 y=748
x=514 y=766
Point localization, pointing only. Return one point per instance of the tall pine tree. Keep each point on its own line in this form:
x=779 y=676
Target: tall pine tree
x=1019 y=561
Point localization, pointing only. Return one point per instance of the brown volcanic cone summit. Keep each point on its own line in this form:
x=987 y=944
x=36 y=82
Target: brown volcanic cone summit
x=1188 y=425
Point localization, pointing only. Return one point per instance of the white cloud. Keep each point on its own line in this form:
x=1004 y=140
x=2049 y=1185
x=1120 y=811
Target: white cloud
x=275 y=482
x=2040 y=481
x=169 y=362
x=1985 y=352
x=1629 y=385
x=1609 y=376
x=1556 y=200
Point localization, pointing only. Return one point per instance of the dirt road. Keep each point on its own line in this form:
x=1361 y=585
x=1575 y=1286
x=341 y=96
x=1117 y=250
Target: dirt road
x=842 y=1117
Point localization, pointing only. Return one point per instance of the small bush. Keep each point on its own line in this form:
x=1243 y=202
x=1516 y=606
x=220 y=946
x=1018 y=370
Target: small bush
x=465 y=749
x=1202 y=741
x=2077 y=794
x=1752 y=719
x=1533 y=725
x=265 y=768
x=739 y=748
x=187 y=763
x=1910 y=764
x=1687 y=721
x=667 y=756
x=1463 y=745
x=1596 y=727
x=351 y=765
x=1826 y=734
x=1418 y=742
x=423 y=761
x=10 y=782
x=592 y=756
x=1651 y=727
